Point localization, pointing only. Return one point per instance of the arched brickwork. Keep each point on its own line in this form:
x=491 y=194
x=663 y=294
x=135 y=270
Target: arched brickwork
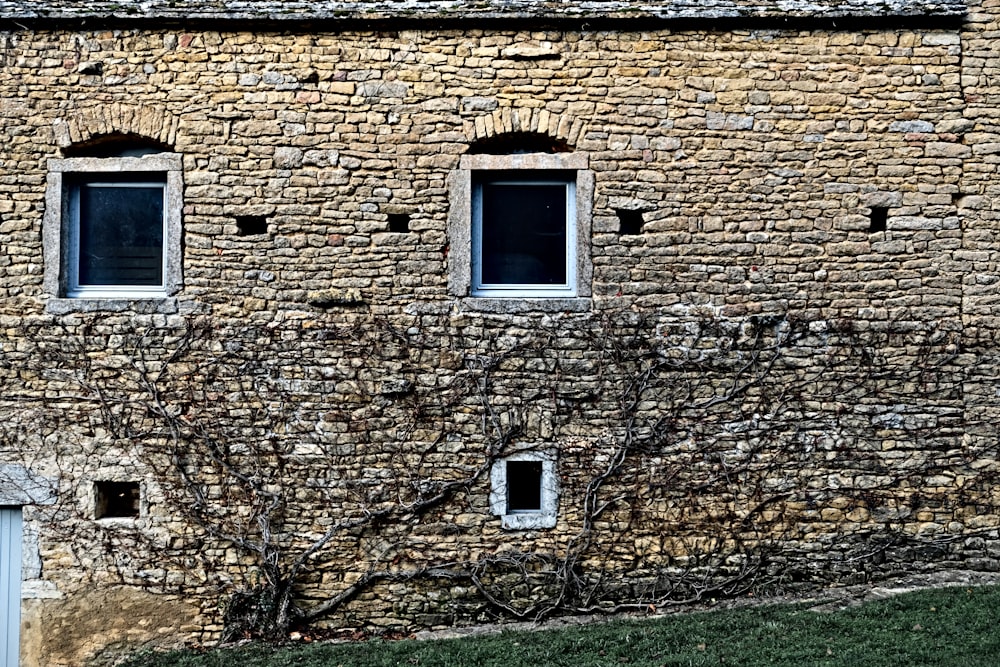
x=124 y=119
x=563 y=127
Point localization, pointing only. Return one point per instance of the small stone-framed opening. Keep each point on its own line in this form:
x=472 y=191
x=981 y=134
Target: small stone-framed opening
x=878 y=218
x=117 y=500
x=524 y=486
x=399 y=223
x=251 y=225
x=630 y=221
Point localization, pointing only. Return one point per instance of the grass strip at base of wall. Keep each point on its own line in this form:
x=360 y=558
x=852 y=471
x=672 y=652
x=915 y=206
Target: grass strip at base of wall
x=957 y=627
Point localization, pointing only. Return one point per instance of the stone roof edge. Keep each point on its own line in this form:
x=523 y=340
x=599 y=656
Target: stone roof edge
x=722 y=23
x=493 y=11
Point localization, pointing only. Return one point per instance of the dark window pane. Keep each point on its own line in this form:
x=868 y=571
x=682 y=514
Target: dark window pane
x=523 y=234
x=121 y=235
x=524 y=486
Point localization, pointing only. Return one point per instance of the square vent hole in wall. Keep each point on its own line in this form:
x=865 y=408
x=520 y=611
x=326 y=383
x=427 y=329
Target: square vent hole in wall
x=525 y=490
x=399 y=223
x=629 y=221
x=878 y=218
x=117 y=500
x=251 y=225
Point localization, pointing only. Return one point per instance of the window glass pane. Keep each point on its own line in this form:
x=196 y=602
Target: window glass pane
x=523 y=234
x=121 y=235
x=524 y=486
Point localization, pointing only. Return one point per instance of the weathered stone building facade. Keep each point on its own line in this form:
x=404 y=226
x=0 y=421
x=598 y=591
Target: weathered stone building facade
x=444 y=311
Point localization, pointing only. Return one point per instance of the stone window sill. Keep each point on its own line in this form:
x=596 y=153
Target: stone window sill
x=162 y=306
x=525 y=305
x=528 y=521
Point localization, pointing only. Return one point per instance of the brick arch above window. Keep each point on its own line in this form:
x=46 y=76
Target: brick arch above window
x=90 y=124
x=117 y=145
x=518 y=143
x=562 y=127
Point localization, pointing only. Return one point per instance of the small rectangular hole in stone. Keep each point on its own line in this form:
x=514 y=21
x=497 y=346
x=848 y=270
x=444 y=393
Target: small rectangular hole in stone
x=524 y=486
x=879 y=217
x=117 y=499
x=399 y=222
x=250 y=225
x=629 y=221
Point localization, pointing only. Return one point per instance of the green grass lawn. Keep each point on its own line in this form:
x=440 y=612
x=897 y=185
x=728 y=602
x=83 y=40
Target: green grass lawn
x=959 y=627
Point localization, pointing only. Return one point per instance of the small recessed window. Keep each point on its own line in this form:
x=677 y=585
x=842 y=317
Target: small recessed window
x=117 y=500
x=399 y=223
x=629 y=222
x=525 y=491
x=251 y=225
x=879 y=218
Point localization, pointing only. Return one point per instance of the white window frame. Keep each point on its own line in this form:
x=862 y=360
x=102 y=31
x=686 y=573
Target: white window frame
x=546 y=516
x=481 y=289
x=73 y=287
x=575 y=296
x=61 y=231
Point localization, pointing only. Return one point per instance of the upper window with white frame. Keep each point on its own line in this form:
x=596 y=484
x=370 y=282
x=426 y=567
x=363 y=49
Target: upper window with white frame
x=113 y=227
x=524 y=234
x=115 y=235
x=519 y=231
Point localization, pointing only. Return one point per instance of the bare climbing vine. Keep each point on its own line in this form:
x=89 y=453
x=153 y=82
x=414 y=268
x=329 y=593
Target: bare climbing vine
x=295 y=470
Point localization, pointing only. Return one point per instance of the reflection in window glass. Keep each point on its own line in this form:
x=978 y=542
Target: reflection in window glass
x=524 y=234
x=121 y=234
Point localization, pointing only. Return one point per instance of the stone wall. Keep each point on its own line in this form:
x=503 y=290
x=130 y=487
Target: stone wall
x=764 y=385
x=760 y=146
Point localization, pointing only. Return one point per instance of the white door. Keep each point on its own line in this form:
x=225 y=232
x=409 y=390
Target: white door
x=10 y=585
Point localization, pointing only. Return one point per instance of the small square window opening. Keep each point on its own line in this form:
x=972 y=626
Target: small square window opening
x=117 y=500
x=525 y=490
x=251 y=225
x=629 y=222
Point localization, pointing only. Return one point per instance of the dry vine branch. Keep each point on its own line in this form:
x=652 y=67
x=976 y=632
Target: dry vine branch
x=311 y=467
